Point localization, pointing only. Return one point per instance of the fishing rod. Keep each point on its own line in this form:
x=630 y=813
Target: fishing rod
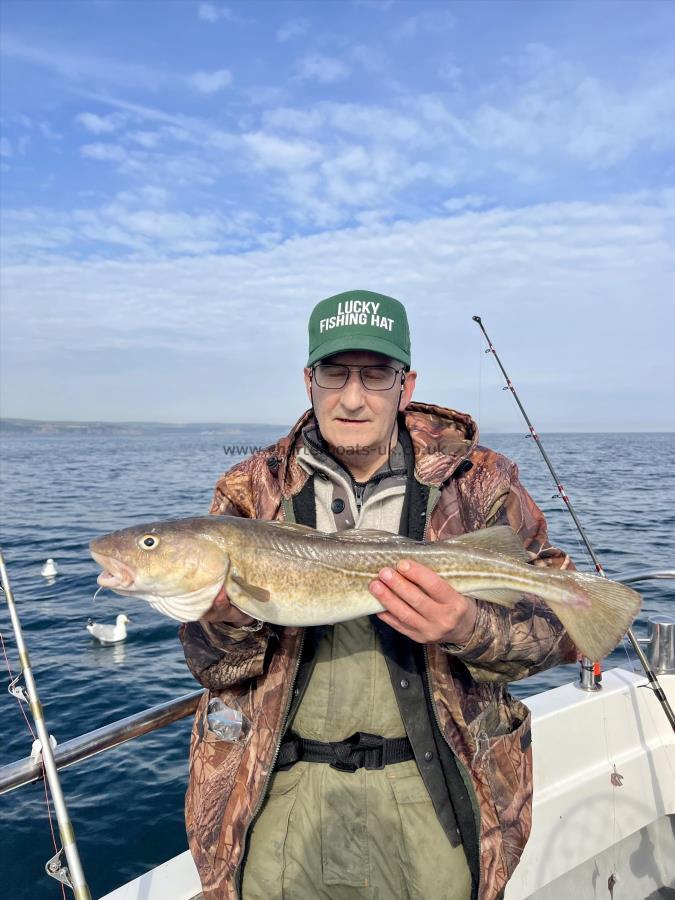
x=588 y=668
x=72 y=874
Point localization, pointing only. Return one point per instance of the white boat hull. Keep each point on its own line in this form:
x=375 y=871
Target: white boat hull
x=585 y=828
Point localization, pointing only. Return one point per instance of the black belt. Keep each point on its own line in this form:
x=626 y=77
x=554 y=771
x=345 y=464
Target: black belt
x=360 y=751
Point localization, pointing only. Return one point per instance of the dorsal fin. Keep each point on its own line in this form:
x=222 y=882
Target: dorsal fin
x=498 y=538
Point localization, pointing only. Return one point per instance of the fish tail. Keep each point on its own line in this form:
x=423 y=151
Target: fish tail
x=597 y=613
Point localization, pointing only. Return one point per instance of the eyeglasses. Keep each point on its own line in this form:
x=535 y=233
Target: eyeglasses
x=373 y=378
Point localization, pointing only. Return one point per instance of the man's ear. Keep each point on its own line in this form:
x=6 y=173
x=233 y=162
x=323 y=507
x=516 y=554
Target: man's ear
x=308 y=383
x=408 y=389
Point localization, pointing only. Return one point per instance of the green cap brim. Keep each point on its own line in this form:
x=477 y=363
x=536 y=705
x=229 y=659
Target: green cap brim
x=359 y=342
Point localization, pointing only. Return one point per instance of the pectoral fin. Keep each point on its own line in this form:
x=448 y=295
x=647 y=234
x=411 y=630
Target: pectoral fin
x=247 y=597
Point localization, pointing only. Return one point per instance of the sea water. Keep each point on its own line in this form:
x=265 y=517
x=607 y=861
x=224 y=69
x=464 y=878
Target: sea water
x=61 y=489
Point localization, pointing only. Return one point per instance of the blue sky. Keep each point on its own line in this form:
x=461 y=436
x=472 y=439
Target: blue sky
x=182 y=181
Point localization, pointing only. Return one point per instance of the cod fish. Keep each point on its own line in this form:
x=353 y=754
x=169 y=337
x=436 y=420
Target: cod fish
x=289 y=574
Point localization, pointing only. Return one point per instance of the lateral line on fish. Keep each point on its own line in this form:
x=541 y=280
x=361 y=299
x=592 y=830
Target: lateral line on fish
x=517 y=580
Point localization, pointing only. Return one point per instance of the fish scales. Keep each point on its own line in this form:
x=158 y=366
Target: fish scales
x=289 y=574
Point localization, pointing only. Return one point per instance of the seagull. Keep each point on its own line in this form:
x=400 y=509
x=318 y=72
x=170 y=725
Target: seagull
x=109 y=634
x=49 y=569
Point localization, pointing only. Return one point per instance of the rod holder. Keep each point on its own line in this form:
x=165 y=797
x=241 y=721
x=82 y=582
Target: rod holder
x=660 y=643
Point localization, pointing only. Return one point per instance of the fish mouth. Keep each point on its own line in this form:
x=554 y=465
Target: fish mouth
x=115 y=574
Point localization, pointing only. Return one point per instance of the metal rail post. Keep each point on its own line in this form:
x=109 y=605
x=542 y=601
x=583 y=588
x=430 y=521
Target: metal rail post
x=74 y=875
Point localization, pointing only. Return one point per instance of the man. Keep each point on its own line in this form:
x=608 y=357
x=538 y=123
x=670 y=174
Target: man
x=385 y=757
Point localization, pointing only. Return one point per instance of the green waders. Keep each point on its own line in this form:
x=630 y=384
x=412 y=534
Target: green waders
x=371 y=834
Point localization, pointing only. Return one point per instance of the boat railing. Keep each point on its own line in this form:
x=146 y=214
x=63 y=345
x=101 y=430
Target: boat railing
x=26 y=771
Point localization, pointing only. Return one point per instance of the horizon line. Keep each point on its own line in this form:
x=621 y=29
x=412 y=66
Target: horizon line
x=175 y=424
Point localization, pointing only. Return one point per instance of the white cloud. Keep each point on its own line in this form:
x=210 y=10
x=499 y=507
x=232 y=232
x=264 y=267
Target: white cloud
x=137 y=223
x=215 y=12
x=276 y=153
x=376 y=123
x=100 y=124
x=550 y=110
x=430 y=20
x=105 y=152
x=72 y=64
x=451 y=73
x=379 y=5
x=304 y=121
x=327 y=164
x=469 y=201
x=48 y=132
x=545 y=119
x=534 y=274
x=153 y=195
x=365 y=123
x=325 y=69
x=210 y=12
x=211 y=82
x=292 y=29
x=371 y=59
x=173 y=156
x=5 y=147
x=307 y=152
x=179 y=233
x=147 y=139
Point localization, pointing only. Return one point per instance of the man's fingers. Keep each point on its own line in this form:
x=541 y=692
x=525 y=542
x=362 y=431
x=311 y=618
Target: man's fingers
x=422 y=605
x=431 y=583
x=402 y=609
x=397 y=625
x=404 y=588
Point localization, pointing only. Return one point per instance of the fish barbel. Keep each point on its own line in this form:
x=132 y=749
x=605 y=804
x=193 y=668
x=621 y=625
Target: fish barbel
x=289 y=574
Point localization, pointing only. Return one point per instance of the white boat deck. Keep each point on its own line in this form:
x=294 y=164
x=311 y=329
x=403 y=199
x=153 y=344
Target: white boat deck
x=585 y=828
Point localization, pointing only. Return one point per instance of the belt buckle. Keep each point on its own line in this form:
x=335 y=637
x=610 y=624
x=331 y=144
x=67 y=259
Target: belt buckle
x=366 y=751
x=342 y=766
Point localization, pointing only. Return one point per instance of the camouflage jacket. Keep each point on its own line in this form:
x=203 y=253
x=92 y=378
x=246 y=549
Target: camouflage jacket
x=486 y=728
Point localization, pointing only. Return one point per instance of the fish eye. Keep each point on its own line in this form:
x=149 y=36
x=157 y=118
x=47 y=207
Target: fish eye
x=149 y=541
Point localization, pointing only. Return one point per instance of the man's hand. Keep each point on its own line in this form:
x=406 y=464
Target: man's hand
x=422 y=606
x=223 y=611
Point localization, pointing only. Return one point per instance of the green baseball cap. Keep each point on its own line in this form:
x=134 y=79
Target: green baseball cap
x=359 y=320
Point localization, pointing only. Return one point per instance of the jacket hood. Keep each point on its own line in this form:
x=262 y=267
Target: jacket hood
x=442 y=438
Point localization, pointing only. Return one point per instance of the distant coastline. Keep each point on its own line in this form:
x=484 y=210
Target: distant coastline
x=40 y=426
x=11 y=426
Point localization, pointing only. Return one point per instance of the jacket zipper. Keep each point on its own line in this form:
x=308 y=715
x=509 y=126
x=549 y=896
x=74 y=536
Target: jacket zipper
x=237 y=871
x=466 y=778
x=359 y=487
